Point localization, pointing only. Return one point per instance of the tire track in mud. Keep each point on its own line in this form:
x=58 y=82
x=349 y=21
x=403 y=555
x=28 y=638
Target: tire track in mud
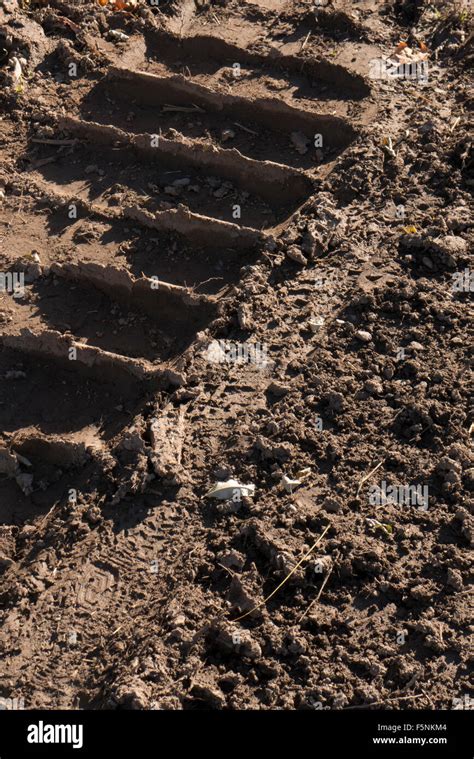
x=152 y=171
x=254 y=200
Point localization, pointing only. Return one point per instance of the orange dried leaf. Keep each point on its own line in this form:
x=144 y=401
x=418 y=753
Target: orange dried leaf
x=401 y=46
x=103 y=2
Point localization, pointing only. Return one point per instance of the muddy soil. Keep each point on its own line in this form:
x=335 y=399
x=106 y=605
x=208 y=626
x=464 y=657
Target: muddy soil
x=235 y=243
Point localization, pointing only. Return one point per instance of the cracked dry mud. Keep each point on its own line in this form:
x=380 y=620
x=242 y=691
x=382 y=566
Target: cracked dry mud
x=229 y=171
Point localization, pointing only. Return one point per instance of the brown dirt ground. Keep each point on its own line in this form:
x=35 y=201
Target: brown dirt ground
x=121 y=580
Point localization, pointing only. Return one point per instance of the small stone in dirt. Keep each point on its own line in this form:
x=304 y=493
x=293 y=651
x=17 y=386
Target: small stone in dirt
x=238 y=642
x=25 y=482
x=300 y=142
x=336 y=401
x=116 y=34
x=451 y=246
x=278 y=389
x=332 y=505
x=240 y=598
x=374 y=387
x=454 y=579
x=132 y=441
x=170 y=190
x=296 y=645
x=272 y=428
x=227 y=134
x=210 y=695
x=243 y=315
x=92 y=168
x=33 y=271
x=221 y=192
x=295 y=254
x=179 y=620
x=182 y=182
x=312 y=242
x=13 y=374
x=363 y=336
x=93 y=515
x=133 y=695
x=232 y=560
x=316 y=323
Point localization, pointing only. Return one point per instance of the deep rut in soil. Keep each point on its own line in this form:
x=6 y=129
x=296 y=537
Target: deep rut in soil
x=180 y=149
